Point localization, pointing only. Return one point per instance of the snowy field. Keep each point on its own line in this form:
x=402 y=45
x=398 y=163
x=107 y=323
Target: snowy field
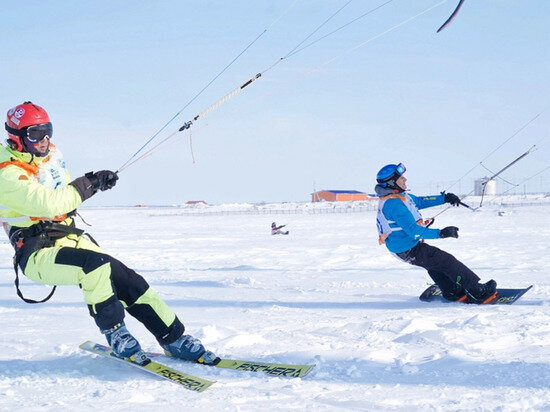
x=326 y=294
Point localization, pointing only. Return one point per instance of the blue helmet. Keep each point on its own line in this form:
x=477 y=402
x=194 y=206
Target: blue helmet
x=388 y=175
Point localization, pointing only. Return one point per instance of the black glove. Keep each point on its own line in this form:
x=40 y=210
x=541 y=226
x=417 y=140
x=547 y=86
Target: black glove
x=102 y=180
x=451 y=198
x=449 y=231
x=88 y=185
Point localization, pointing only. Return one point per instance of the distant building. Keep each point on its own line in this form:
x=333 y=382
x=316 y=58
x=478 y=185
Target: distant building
x=196 y=202
x=338 y=195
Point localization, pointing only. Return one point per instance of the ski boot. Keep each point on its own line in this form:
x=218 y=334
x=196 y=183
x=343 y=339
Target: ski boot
x=188 y=348
x=483 y=292
x=124 y=345
x=454 y=293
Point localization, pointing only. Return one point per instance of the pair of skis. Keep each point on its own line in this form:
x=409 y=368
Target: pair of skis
x=196 y=383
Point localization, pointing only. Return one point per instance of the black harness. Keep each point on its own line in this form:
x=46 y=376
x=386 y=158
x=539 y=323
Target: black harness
x=28 y=240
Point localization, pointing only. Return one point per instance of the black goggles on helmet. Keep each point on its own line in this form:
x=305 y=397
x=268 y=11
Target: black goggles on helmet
x=34 y=133
x=39 y=132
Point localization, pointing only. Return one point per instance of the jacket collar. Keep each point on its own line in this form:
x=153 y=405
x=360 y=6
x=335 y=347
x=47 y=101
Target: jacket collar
x=22 y=156
x=385 y=191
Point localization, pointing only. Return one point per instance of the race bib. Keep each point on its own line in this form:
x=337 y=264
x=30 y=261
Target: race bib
x=52 y=173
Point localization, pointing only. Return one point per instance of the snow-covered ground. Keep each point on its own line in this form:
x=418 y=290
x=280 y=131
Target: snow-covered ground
x=327 y=294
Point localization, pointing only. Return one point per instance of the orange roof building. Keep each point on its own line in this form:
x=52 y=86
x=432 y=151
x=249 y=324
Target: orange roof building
x=337 y=196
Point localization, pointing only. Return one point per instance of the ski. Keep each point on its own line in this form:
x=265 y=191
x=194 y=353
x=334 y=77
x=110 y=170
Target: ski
x=502 y=296
x=273 y=369
x=188 y=381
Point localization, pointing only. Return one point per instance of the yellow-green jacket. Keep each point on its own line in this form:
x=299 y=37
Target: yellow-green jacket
x=34 y=188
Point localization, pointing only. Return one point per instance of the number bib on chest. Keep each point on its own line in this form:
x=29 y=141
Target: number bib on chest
x=52 y=173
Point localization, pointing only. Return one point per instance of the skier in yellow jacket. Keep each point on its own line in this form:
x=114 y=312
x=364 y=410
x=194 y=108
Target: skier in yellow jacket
x=37 y=204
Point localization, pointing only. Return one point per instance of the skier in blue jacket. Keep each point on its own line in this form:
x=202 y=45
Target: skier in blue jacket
x=402 y=229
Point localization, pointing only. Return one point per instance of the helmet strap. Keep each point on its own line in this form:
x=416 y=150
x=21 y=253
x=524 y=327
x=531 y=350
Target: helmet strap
x=15 y=145
x=392 y=184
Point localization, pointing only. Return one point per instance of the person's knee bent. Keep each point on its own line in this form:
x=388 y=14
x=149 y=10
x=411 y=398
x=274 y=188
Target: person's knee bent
x=107 y=314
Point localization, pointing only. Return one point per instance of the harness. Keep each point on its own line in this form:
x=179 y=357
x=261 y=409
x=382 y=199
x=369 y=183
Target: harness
x=28 y=240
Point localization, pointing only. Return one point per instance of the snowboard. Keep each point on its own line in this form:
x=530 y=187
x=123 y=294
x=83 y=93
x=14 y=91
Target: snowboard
x=502 y=297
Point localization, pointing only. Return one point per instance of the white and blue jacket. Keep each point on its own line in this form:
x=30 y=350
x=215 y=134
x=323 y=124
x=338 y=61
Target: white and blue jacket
x=399 y=222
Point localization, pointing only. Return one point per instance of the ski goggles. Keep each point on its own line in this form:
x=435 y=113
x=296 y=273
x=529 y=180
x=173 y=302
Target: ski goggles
x=38 y=132
x=33 y=134
x=400 y=169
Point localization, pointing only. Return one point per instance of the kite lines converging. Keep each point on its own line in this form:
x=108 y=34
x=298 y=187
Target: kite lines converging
x=300 y=47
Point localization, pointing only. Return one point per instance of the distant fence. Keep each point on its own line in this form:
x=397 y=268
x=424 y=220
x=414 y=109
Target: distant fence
x=519 y=204
x=511 y=200
x=313 y=211
x=335 y=209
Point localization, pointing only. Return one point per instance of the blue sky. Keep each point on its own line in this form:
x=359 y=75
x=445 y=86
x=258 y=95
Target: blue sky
x=111 y=74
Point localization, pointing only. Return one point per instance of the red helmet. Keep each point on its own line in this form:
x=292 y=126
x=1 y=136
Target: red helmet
x=27 y=124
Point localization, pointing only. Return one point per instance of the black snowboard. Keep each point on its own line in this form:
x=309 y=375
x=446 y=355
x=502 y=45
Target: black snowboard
x=503 y=297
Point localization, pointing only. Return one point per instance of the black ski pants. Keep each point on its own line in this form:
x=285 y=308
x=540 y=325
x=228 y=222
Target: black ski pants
x=452 y=276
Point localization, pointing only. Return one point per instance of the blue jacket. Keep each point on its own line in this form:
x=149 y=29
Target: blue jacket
x=396 y=211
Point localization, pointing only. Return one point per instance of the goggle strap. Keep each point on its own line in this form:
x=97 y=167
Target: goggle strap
x=16 y=132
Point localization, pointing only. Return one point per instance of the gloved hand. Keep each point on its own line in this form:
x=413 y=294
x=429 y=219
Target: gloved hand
x=449 y=231
x=102 y=180
x=91 y=182
x=451 y=198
